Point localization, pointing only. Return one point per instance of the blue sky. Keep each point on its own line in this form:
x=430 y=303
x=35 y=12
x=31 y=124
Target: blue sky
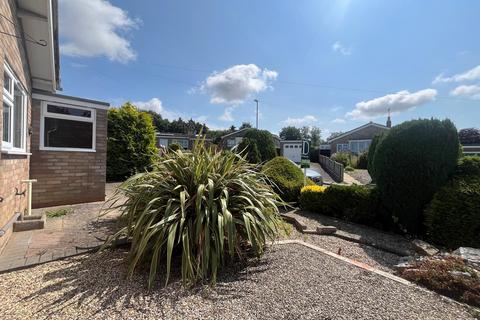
x=332 y=64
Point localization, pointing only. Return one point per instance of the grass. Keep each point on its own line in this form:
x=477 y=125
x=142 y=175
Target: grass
x=60 y=212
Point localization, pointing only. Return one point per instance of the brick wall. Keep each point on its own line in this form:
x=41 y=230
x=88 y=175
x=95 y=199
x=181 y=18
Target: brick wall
x=13 y=168
x=363 y=134
x=68 y=177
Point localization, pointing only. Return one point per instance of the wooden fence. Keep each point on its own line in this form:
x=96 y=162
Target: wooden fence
x=334 y=169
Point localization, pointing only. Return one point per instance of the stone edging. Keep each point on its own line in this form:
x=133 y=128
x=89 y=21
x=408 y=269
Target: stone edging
x=375 y=270
x=304 y=229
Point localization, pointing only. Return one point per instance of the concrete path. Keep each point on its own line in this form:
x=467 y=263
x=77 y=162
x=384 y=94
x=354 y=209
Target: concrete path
x=327 y=179
x=62 y=237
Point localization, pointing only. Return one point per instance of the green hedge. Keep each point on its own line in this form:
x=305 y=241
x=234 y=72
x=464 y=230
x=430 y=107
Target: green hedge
x=131 y=146
x=453 y=217
x=352 y=203
x=287 y=177
x=265 y=143
x=411 y=163
x=249 y=149
x=362 y=161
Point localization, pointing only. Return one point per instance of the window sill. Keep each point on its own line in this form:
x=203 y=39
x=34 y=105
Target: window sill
x=66 y=150
x=16 y=152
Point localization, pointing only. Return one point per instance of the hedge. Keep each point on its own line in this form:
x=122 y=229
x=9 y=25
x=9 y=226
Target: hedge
x=411 y=163
x=265 y=143
x=131 y=146
x=249 y=149
x=352 y=203
x=287 y=178
x=453 y=217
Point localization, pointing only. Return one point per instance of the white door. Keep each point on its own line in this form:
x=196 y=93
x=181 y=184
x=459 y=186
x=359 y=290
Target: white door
x=293 y=151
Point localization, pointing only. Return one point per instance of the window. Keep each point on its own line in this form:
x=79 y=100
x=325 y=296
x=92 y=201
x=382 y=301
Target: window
x=230 y=143
x=359 y=146
x=182 y=142
x=342 y=147
x=14 y=118
x=67 y=128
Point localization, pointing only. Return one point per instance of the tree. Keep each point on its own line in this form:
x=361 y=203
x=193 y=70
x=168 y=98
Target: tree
x=334 y=135
x=305 y=132
x=264 y=141
x=232 y=128
x=290 y=133
x=315 y=137
x=131 y=146
x=245 y=125
x=411 y=162
x=249 y=148
x=469 y=136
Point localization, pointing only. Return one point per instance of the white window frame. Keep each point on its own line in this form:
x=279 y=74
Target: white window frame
x=350 y=142
x=46 y=114
x=342 y=147
x=9 y=98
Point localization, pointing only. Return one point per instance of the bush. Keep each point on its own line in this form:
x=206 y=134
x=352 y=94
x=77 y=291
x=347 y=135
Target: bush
x=349 y=169
x=249 y=149
x=341 y=157
x=453 y=217
x=371 y=152
x=287 y=178
x=174 y=147
x=206 y=206
x=130 y=143
x=352 y=203
x=265 y=143
x=469 y=166
x=411 y=163
x=362 y=161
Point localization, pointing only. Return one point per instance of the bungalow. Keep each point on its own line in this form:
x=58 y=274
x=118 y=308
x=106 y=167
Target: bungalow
x=186 y=141
x=234 y=138
x=356 y=141
x=57 y=140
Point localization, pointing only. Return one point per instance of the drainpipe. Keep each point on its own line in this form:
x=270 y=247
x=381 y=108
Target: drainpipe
x=29 y=191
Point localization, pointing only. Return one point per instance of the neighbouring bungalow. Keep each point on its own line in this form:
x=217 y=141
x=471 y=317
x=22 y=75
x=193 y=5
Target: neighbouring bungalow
x=58 y=140
x=356 y=141
x=186 y=141
x=471 y=149
x=234 y=138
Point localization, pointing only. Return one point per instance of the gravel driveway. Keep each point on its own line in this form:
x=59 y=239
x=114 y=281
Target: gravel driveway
x=290 y=282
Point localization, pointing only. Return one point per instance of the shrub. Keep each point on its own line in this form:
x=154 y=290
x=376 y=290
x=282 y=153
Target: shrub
x=265 y=143
x=453 y=217
x=174 y=147
x=371 y=152
x=130 y=143
x=439 y=275
x=353 y=203
x=411 y=163
x=469 y=166
x=287 y=178
x=349 y=169
x=362 y=161
x=341 y=157
x=249 y=149
x=206 y=206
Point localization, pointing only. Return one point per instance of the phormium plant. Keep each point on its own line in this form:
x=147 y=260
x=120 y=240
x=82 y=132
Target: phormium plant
x=206 y=205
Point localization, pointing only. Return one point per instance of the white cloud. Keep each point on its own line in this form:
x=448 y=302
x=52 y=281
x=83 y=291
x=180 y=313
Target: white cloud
x=156 y=105
x=338 y=120
x=342 y=49
x=470 y=75
x=472 y=91
x=235 y=84
x=92 y=28
x=396 y=102
x=306 y=120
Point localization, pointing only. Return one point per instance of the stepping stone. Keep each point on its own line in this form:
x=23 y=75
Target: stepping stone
x=325 y=230
x=424 y=248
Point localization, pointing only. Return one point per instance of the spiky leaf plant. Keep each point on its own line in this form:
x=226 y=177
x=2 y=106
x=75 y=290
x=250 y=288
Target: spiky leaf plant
x=206 y=205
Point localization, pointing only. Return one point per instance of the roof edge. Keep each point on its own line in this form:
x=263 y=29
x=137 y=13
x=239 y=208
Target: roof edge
x=358 y=128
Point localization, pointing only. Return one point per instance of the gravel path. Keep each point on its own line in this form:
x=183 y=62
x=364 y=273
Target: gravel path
x=363 y=253
x=361 y=176
x=290 y=282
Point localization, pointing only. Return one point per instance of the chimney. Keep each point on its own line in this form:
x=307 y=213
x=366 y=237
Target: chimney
x=389 y=121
